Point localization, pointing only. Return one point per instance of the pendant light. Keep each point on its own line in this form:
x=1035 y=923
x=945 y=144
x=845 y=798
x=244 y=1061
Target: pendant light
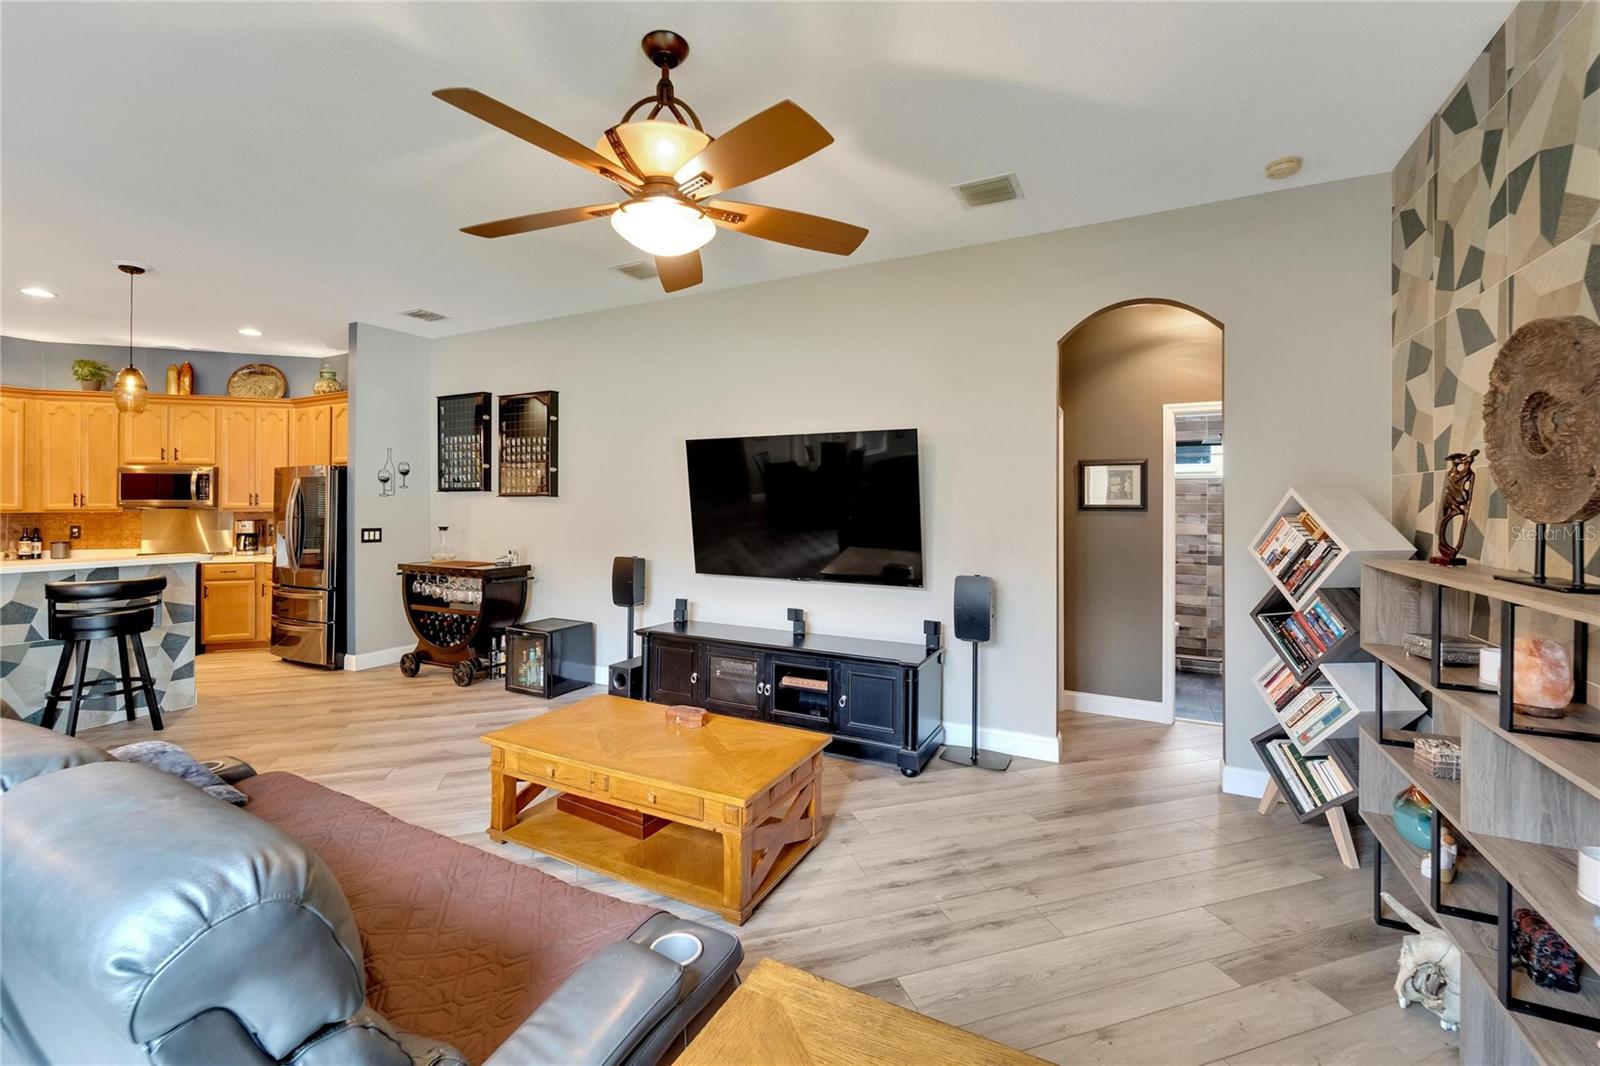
x=130 y=388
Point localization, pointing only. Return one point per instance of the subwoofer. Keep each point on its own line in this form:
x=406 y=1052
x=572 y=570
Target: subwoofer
x=974 y=608
x=627 y=678
x=627 y=581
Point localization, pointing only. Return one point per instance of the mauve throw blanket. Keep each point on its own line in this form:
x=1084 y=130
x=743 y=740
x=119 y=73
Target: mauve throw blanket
x=461 y=945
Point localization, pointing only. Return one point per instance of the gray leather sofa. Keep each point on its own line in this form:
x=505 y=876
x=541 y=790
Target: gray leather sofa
x=143 y=921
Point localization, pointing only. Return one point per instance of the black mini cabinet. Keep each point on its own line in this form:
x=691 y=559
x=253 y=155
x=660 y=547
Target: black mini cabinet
x=549 y=657
x=880 y=700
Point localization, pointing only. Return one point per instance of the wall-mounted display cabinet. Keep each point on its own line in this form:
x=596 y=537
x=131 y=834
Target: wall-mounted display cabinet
x=528 y=424
x=60 y=450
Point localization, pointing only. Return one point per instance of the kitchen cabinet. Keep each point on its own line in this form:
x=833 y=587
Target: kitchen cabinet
x=253 y=443
x=310 y=435
x=230 y=599
x=339 y=414
x=13 y=449
x=77 y=455
x=167 y=432
x=263 y=601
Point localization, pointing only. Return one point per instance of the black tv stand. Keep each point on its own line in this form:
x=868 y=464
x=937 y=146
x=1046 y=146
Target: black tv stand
x=879 y=699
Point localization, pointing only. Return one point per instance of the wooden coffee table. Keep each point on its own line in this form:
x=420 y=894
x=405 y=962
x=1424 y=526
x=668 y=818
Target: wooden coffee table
x=744 y=798
x=781 y=1016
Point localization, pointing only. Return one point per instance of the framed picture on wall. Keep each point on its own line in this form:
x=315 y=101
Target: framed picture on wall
x=1113 y=485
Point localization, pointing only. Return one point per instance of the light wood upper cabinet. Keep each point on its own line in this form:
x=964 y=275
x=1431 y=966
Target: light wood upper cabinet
x=192 y=433
x=310 y=438
x=60 y=454
x=272 y=450
x=236 y=466
x=339 y=450
x=77 y=455
x=13 y=449
x=99 y=492
x=144 y=435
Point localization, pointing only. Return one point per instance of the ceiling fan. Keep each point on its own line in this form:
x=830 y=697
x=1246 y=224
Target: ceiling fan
x=670 y=170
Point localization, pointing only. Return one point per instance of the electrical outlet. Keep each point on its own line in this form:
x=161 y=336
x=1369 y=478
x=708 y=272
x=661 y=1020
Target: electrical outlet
x=74 y=532
x=372 y=535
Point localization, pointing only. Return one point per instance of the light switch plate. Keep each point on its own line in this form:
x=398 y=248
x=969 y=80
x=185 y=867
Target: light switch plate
x=372 y=535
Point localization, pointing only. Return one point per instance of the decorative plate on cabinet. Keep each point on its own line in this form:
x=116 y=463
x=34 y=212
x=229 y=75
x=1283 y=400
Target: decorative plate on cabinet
x=258 y=381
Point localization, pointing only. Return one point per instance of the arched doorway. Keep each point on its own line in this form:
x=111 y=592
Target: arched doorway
x=1139 y=392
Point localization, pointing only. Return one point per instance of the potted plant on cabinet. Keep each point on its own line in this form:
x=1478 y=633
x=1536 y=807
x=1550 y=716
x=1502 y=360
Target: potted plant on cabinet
x=90 y=374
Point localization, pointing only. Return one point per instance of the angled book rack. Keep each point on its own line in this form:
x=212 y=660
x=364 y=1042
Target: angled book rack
x=1321 y=680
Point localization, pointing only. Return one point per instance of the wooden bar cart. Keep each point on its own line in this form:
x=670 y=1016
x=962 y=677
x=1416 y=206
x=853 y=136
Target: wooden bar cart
x=460 y=611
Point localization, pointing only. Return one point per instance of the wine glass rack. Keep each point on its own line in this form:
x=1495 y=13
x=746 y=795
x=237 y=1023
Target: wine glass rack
x=460 y=612
x=466 y=438
x=528 y=423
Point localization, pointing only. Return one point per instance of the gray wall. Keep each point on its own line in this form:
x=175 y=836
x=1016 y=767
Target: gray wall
x=962 y=345
x=390 y=408
x=48 y=365
x=1117 y=369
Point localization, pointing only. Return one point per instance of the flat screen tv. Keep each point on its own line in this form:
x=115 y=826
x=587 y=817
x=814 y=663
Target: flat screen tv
x=843 y=507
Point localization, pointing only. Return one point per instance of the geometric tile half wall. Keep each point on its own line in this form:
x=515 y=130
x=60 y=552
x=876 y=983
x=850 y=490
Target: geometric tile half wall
x=1496 y=222
x=28 y=657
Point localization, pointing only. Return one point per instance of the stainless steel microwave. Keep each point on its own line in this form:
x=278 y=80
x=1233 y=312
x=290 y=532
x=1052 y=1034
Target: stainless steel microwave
x=167 y=486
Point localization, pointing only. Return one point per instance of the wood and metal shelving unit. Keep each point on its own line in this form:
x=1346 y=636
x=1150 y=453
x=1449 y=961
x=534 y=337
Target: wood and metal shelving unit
x=1350 y=531
x=1522 y=806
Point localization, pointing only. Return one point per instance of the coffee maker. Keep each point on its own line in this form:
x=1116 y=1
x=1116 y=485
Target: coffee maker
x=246 y=535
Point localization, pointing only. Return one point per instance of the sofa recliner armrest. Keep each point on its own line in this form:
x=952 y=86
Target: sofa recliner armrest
x=600 y=1012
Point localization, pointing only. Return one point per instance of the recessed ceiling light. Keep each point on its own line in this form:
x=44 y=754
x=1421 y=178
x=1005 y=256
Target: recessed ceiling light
x=1286 y=167
x=249 y=331
x=38 y=293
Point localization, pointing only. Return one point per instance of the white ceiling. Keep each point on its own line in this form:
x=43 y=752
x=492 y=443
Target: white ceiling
x=283 y=165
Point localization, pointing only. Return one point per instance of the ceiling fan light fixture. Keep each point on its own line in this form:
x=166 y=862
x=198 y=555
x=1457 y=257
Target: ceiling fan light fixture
x=658 y=148
x=663 y=225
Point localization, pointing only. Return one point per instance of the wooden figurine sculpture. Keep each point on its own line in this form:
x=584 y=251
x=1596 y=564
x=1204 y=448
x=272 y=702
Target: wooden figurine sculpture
x=1456 y=504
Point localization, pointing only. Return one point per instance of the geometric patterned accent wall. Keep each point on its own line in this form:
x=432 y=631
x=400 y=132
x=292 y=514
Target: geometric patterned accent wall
x=1496 y=222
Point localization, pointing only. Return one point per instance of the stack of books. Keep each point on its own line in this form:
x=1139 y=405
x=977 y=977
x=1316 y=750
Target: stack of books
x=1297 y=550
x=1313 y=781
x=1281 y=687
x=1305 y=636
x=1316 y=711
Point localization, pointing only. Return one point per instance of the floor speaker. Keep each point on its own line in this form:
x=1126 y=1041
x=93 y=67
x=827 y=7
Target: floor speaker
x=627 y=581
x=627 y=678
x=974 y=621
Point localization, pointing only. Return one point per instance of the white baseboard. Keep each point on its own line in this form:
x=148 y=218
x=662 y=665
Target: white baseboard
x=369 y=660
x=1022 y=745
x=1115 y=706
x=1244 y=781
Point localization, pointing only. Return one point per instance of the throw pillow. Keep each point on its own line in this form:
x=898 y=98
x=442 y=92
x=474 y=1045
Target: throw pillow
x=172 y=759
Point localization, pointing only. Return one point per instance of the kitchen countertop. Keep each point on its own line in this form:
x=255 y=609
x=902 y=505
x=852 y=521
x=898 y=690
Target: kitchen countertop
x=124 y=557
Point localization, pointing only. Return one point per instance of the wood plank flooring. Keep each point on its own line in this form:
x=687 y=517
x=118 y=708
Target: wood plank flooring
x=1114 y=908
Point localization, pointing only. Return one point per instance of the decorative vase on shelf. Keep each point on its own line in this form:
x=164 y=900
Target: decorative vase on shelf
x=172 y=379
x=327 y=381
x=186 y=379
x=1413 y=818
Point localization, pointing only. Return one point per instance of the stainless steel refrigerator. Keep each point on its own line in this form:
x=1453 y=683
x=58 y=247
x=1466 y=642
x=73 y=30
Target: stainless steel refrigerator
x=309 y=565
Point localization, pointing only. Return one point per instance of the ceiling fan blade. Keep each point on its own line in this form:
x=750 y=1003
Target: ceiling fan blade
x=786 y=227
x=535 y=133
x=505 y=227
x=780 y=136
x=679 y=271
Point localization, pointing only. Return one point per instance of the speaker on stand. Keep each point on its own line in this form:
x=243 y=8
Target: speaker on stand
x=974 y=621
x=627 y=590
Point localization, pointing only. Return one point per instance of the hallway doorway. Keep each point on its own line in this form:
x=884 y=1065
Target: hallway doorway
x=1121 y=493
x=1192 y=556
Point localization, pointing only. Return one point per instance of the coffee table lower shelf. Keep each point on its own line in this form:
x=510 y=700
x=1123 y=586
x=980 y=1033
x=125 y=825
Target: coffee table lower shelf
x=680 y=861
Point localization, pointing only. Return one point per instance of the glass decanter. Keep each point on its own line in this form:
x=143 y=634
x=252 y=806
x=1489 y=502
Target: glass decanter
x=442 y=551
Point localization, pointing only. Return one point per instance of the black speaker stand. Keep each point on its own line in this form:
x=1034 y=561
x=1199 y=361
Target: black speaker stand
x=975 y=756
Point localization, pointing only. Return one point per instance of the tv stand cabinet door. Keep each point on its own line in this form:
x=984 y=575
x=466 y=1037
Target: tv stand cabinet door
x=674 y=676
x=870 y=702
x=732 y=681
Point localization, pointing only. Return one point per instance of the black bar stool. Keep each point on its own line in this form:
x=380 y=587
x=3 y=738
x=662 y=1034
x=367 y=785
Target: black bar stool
x=81 y=611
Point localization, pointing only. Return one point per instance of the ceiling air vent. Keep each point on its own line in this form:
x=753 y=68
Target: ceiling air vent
x=423 y=314
x=988 y=191
x=641 y=271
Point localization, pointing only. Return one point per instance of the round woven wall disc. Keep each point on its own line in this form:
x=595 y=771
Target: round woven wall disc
x=1541 y=420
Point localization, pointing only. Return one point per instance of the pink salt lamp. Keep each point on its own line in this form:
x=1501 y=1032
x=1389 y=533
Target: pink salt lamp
x=1543 y=684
